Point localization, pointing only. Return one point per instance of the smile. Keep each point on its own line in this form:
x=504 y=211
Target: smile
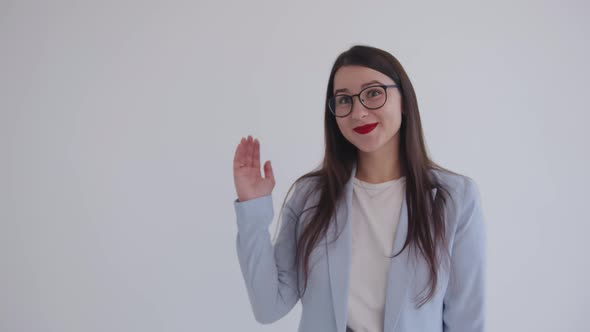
x=366 y=128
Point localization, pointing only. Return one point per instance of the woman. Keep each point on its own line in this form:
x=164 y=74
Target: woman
x=379 y=238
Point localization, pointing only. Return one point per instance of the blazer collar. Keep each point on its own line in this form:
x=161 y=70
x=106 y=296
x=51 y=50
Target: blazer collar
x=339 y=262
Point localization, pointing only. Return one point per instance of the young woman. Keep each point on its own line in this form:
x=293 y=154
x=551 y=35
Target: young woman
x=379 y=237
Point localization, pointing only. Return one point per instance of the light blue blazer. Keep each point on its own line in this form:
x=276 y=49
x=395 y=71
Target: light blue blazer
x=271 y=281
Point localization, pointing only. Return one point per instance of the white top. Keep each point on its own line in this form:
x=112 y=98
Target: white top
x=376 y=209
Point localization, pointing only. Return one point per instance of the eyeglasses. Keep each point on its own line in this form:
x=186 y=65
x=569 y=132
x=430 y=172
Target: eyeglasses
x=372 y=97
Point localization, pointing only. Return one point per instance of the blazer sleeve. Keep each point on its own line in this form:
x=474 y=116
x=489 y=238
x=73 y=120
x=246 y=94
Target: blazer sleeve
x=464 y=300
x=269 y=270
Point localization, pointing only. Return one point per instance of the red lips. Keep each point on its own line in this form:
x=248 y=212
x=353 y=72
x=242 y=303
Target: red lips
x=366 y=128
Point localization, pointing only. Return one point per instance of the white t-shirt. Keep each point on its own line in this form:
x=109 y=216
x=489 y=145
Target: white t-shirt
x=376 y=209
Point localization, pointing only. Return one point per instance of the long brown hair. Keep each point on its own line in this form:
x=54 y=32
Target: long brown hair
x=426 y=226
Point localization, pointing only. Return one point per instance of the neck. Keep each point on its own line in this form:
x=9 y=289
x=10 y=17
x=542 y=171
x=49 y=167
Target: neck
x=379 y=166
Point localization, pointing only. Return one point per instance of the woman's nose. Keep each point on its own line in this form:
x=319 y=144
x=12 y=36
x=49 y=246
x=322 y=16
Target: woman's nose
x=358 y=109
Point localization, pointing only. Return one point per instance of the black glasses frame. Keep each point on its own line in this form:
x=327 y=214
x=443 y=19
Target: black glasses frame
x=384 y=86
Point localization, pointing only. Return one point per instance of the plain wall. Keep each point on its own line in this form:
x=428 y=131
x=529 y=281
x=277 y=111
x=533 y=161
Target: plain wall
x=119 y=120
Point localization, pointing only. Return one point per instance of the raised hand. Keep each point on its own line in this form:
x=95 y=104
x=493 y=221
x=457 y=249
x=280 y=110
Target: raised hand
x=247 y=177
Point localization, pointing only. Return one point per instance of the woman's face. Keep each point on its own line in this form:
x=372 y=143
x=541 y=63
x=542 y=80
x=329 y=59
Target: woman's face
x=388 y=117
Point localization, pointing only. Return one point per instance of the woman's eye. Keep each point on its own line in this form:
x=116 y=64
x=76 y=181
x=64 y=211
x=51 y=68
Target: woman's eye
x=342 y=100
x=374 y=93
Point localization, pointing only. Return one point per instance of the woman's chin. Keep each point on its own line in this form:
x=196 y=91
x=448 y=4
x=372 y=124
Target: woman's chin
x=367 y=147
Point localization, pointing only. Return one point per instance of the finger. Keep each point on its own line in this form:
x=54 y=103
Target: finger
x=240 y=154
x=268 y=172
x=250 y=152
x=256 y=156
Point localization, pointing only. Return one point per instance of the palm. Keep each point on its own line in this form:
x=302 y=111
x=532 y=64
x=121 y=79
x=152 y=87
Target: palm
x=247 y=177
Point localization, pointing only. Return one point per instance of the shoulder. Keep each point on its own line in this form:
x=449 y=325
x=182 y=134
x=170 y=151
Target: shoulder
x=465 y=206
x=302 y=191
x=462 y=188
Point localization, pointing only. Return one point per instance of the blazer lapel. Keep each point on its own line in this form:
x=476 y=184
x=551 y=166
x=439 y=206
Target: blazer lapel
x=401 y=272
x=339 y=254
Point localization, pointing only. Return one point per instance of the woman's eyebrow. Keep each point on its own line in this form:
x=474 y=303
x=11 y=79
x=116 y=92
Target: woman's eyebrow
x=362 y=86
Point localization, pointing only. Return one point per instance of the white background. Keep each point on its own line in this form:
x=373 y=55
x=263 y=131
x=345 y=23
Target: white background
x=119 y=121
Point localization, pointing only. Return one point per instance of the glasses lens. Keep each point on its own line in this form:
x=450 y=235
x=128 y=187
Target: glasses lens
x=373 y=97
x=340 y=105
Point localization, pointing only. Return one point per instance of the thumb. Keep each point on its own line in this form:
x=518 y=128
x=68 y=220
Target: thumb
x=268 y=173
